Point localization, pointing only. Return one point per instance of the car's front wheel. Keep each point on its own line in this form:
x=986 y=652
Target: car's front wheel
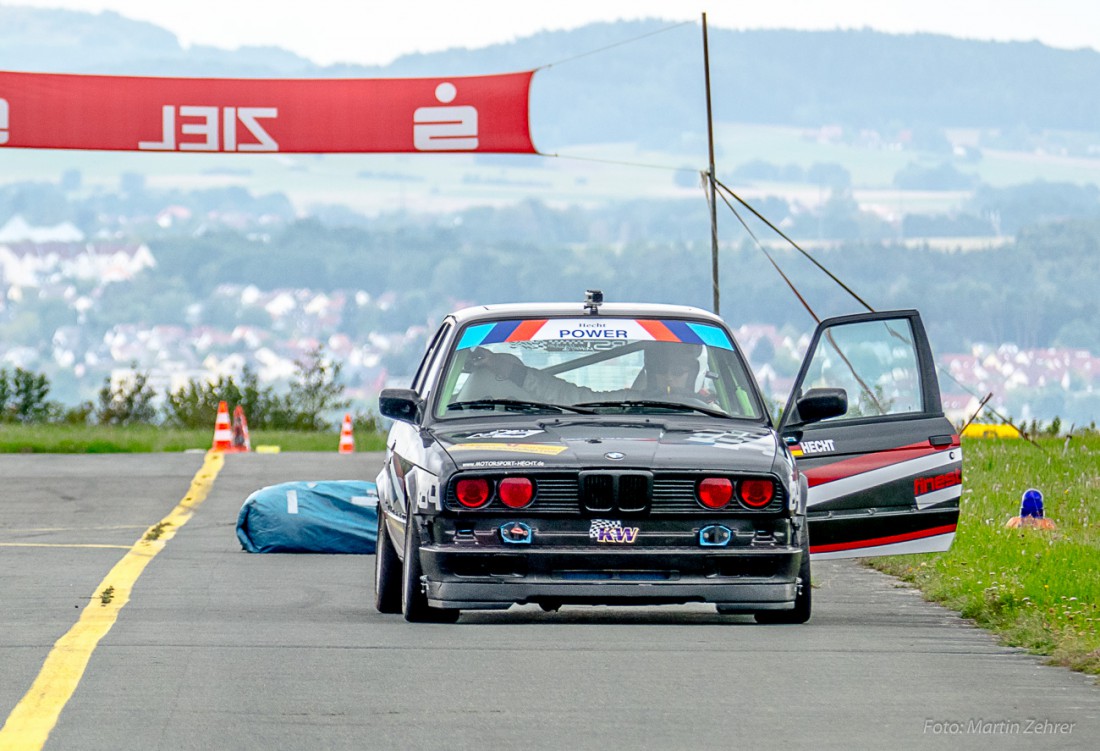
x=802 y=600
x=414 y=603
x=387 y=571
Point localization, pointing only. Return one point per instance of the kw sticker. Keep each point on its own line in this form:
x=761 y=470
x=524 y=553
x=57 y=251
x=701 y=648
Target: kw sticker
x=608 y=531
x=546 y=449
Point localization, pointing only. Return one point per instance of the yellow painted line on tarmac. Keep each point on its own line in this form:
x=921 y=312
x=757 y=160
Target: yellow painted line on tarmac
x=29 y=724
x=61 y=545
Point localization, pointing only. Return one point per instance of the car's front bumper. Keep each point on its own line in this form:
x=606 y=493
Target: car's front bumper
x=742 y=578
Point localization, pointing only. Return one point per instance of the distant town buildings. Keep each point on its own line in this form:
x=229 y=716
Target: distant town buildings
x=269 y=331
x=34 y=256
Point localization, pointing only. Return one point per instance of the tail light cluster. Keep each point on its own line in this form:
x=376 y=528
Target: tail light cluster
x=751 y=493
x=477 y=492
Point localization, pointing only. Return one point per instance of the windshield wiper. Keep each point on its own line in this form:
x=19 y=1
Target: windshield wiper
x=517 y=404
x=678 y=406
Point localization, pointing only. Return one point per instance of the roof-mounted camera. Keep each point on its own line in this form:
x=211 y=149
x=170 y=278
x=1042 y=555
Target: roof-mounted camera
x=593 y=299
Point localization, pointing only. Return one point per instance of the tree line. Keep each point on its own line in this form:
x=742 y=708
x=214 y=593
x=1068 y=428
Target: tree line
x=313 y=396
x=1035 y=289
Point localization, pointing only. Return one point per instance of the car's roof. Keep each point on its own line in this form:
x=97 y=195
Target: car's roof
x=579 y=310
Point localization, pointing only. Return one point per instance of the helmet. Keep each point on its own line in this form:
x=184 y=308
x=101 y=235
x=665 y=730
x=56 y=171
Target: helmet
x=672 y=358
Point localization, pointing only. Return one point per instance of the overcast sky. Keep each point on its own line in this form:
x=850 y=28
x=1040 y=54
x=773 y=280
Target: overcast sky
x=377 y=31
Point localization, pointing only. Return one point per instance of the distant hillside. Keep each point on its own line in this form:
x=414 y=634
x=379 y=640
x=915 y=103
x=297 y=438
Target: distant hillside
x=857 y=79
x=64 y=41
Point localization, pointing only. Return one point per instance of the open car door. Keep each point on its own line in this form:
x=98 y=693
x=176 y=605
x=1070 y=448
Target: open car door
x=885 y=477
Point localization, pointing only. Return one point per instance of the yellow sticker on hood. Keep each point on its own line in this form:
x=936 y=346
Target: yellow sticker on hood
x=546 y=449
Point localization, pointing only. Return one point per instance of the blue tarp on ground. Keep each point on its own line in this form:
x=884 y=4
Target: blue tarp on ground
x=326 y=516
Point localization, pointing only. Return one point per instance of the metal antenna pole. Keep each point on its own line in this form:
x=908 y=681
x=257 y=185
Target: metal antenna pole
x=711 y=177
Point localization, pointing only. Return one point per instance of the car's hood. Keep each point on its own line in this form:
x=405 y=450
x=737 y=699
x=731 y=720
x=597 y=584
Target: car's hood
x=641 y=444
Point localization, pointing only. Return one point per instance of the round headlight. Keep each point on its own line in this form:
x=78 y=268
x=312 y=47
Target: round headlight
x=472 y=492
x=516 y=492
x=715 y=492
x=757 y=493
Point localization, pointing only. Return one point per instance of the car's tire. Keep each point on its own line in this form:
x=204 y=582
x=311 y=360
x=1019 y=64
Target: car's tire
x=803 y=599
x=414 y=603
x=387 y=571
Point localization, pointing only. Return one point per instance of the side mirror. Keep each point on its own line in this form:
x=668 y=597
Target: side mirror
x=399 y=404
x=819 y=404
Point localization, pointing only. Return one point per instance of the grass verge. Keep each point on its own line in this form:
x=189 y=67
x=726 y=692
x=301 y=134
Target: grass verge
x=81 y=439
x=1036 y=589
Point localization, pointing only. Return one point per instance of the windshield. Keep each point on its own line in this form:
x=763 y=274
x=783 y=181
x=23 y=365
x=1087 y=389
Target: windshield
x=597 y=365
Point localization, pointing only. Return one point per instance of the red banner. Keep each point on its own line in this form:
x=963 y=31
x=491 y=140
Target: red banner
x=124 y=113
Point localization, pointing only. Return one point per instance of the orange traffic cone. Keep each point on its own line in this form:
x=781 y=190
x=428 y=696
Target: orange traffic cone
x=223 y=436
x=241 y=441
x=347 y=440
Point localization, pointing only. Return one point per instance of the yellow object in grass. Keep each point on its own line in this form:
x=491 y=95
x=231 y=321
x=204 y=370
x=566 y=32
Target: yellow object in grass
x=990 y=430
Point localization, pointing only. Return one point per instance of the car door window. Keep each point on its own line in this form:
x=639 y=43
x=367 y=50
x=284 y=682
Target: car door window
x=875 y=362
x=431 y=357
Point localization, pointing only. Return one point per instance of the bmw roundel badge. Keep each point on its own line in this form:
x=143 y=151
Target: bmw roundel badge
x=614 y=455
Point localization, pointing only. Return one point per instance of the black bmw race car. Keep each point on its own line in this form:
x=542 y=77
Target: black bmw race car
x=622 y=454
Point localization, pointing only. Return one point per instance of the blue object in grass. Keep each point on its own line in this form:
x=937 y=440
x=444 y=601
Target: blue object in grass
x=1031 y=505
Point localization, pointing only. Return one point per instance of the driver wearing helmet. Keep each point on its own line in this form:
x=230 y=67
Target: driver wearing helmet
x=670 y=369
x=669 y=372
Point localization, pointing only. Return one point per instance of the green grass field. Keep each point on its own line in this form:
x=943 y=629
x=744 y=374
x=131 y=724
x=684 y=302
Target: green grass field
x=66 y=439
x=1036 y=589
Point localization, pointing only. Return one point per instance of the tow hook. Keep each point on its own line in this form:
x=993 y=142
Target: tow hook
x=715 y=536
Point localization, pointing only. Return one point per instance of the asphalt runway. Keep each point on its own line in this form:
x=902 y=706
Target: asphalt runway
x=220 y=649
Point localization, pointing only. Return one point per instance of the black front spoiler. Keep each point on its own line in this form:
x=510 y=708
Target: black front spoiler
x=735 y=578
